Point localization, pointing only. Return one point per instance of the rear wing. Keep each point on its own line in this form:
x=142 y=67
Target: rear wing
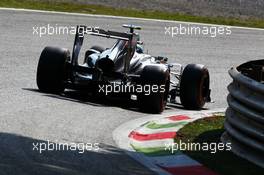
x=109 y=34
x=81 y=31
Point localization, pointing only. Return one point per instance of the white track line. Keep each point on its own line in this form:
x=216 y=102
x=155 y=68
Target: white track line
x=122 y=17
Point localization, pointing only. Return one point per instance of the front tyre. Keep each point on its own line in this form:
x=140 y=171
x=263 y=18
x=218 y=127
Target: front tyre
x=194 y=86
x=51 y=71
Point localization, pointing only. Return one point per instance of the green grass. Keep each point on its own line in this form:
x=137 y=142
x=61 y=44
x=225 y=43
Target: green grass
x=98 y=9
x=209 y=130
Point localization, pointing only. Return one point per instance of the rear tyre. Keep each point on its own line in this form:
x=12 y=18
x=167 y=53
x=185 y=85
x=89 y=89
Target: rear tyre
x=51 y=71
x=155 y=102
x=194 y=86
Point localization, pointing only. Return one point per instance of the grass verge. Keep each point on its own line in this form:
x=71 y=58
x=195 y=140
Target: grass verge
x=209 y=130
x=98 y=9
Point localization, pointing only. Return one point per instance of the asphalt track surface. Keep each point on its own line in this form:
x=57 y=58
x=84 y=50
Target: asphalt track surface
x=28 y=116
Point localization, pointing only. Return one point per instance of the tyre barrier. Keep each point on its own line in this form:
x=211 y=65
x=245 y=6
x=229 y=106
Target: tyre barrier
x=244 y=124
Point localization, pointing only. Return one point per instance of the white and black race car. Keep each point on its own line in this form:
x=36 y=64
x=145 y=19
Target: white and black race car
x=124 y=64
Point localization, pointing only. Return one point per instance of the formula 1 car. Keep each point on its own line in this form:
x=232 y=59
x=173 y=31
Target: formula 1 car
x=123 y=68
